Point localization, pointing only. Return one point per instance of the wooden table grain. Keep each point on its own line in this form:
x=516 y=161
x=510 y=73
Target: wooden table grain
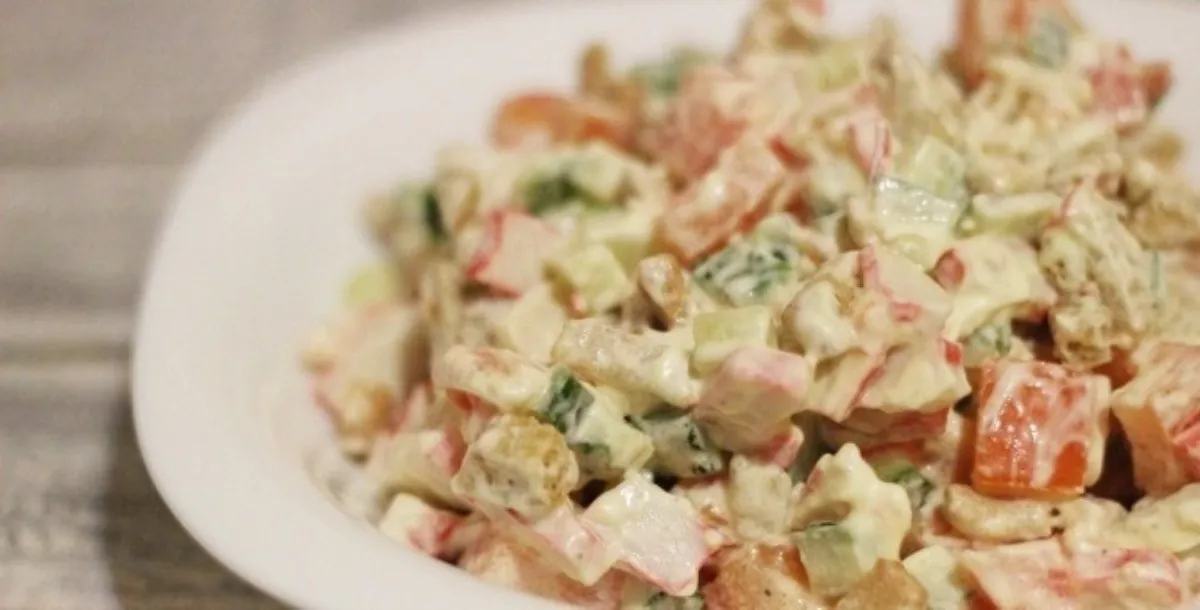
x=101 y=102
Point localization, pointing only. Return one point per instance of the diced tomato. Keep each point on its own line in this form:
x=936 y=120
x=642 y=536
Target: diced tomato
x=515 y=245
x=702 y=122
x=548 y=118
x=730 y=199
x=1036 y=425
x=1117 y=89
x=1160 y=413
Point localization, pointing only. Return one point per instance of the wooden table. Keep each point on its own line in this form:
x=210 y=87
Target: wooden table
x=101 y=102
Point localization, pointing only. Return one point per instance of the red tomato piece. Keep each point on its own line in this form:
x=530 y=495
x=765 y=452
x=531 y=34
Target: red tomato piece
x=1037 y=422
x=697 y=128
x=1117 y=89
x=548 y=118
x=730 y=199
x=1159 y=410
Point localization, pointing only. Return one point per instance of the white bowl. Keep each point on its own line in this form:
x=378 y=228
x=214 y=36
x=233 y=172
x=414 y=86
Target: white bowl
x=265 y=228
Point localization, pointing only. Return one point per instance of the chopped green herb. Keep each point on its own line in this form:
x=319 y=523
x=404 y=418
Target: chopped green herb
x=988 y=343
x=568 y=401
x=604 y=445
x=747 y=271
x=903 y=473
x=432 y=215
x=681 y=447
x=547 y=194
x=663 y=78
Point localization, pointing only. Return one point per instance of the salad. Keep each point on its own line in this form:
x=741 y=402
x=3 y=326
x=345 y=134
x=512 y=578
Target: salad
x=816 y=323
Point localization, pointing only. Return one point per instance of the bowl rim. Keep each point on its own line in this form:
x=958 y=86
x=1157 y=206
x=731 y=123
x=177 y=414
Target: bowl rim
x=310 y=546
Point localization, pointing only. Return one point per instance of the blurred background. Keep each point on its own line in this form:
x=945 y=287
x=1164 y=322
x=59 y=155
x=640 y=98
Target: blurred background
x=101 y=102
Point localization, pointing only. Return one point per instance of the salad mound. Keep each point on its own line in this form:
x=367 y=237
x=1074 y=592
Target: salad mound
x=816 y=323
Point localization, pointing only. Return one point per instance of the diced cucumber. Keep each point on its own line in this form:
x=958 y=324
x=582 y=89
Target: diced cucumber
x=594 y=276
x=1023 y=215
x=988 y=343
x=937 y=168
x=903 y=473
x=748 y=271
x=598 y=172
x=1049 y=41
x=912 y=203
x=604 y=444
x=546 y=194
x=681 y=448
x=910 y=219
x=838 y=66
x=831 y=184
x=717 y=334
x=753 y=324
x=827 y=552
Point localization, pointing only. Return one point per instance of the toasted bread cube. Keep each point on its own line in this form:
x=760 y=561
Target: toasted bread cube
x=887 y=585
x=746 y=582
x=517 y=465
